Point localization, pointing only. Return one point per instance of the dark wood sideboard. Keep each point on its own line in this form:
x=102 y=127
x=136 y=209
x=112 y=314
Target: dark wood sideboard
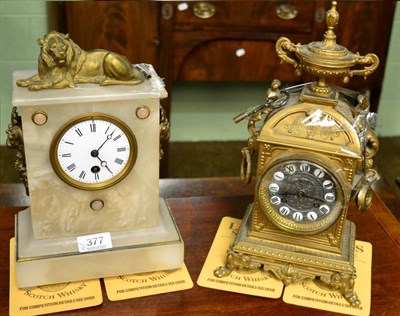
x=183 y=46
x=197 y=40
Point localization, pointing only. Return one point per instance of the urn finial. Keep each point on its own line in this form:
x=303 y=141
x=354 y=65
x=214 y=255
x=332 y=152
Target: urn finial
x=326 y=59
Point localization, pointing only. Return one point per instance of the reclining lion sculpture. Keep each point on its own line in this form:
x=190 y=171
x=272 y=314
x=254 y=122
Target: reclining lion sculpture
x=62 y=63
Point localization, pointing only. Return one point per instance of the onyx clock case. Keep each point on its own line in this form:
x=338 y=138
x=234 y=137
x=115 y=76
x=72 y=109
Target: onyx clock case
x=51 y=186
x=92 y=166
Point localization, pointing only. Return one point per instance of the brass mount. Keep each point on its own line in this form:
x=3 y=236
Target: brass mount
x=326 y=59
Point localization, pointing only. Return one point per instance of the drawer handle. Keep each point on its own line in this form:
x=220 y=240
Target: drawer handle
x=204 y=10
x=286 y=11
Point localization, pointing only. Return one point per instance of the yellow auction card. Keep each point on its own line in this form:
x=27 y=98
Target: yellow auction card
x=51 y=298
x=145 y=284
x=308 y=294
x=257 y=283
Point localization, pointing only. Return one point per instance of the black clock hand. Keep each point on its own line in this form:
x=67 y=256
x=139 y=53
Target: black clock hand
x=95 y=154
x=289 y=193
x=107 y=139
x=313 y=197
x=301 y=194
x=103 y=163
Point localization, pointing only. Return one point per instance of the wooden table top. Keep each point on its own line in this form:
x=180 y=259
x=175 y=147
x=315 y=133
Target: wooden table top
x=198 y=206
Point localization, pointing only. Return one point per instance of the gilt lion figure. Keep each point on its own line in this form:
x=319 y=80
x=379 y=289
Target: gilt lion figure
x=62 y=63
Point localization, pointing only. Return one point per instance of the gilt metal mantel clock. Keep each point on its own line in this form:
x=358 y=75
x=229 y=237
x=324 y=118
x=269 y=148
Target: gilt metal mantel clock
x=315 y=144
x=88 y=127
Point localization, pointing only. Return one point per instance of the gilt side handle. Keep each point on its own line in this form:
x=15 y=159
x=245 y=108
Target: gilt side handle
x=284 y=45
x=370 y=59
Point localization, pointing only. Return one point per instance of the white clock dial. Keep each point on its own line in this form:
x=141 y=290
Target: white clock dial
x=299 y=194
x=93 y=151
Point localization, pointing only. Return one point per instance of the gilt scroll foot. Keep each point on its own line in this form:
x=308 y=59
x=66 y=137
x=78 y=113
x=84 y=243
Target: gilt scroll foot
x=236 y=261
x=342 y=282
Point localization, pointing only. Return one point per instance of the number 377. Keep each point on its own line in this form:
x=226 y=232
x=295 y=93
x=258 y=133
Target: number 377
x=94 y=241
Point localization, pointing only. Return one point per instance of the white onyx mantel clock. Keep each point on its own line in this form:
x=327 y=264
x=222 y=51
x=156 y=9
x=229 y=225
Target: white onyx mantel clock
x=315 y=144
x=90 y=156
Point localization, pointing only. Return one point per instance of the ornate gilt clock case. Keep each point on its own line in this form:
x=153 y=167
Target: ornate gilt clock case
x=315 y=144
x=89 y=155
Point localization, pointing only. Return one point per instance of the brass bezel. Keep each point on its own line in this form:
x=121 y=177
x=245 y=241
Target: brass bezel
x=100 y=185
x=286 y=224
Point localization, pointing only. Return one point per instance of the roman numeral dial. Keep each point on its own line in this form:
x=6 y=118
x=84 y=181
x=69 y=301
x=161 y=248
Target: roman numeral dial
x=93 y=151
x=301 y=195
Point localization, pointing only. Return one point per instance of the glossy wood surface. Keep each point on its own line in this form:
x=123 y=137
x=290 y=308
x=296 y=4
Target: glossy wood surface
x=198 y=206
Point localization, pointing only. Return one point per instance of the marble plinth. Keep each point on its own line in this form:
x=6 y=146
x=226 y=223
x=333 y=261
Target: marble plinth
x=56 y=260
